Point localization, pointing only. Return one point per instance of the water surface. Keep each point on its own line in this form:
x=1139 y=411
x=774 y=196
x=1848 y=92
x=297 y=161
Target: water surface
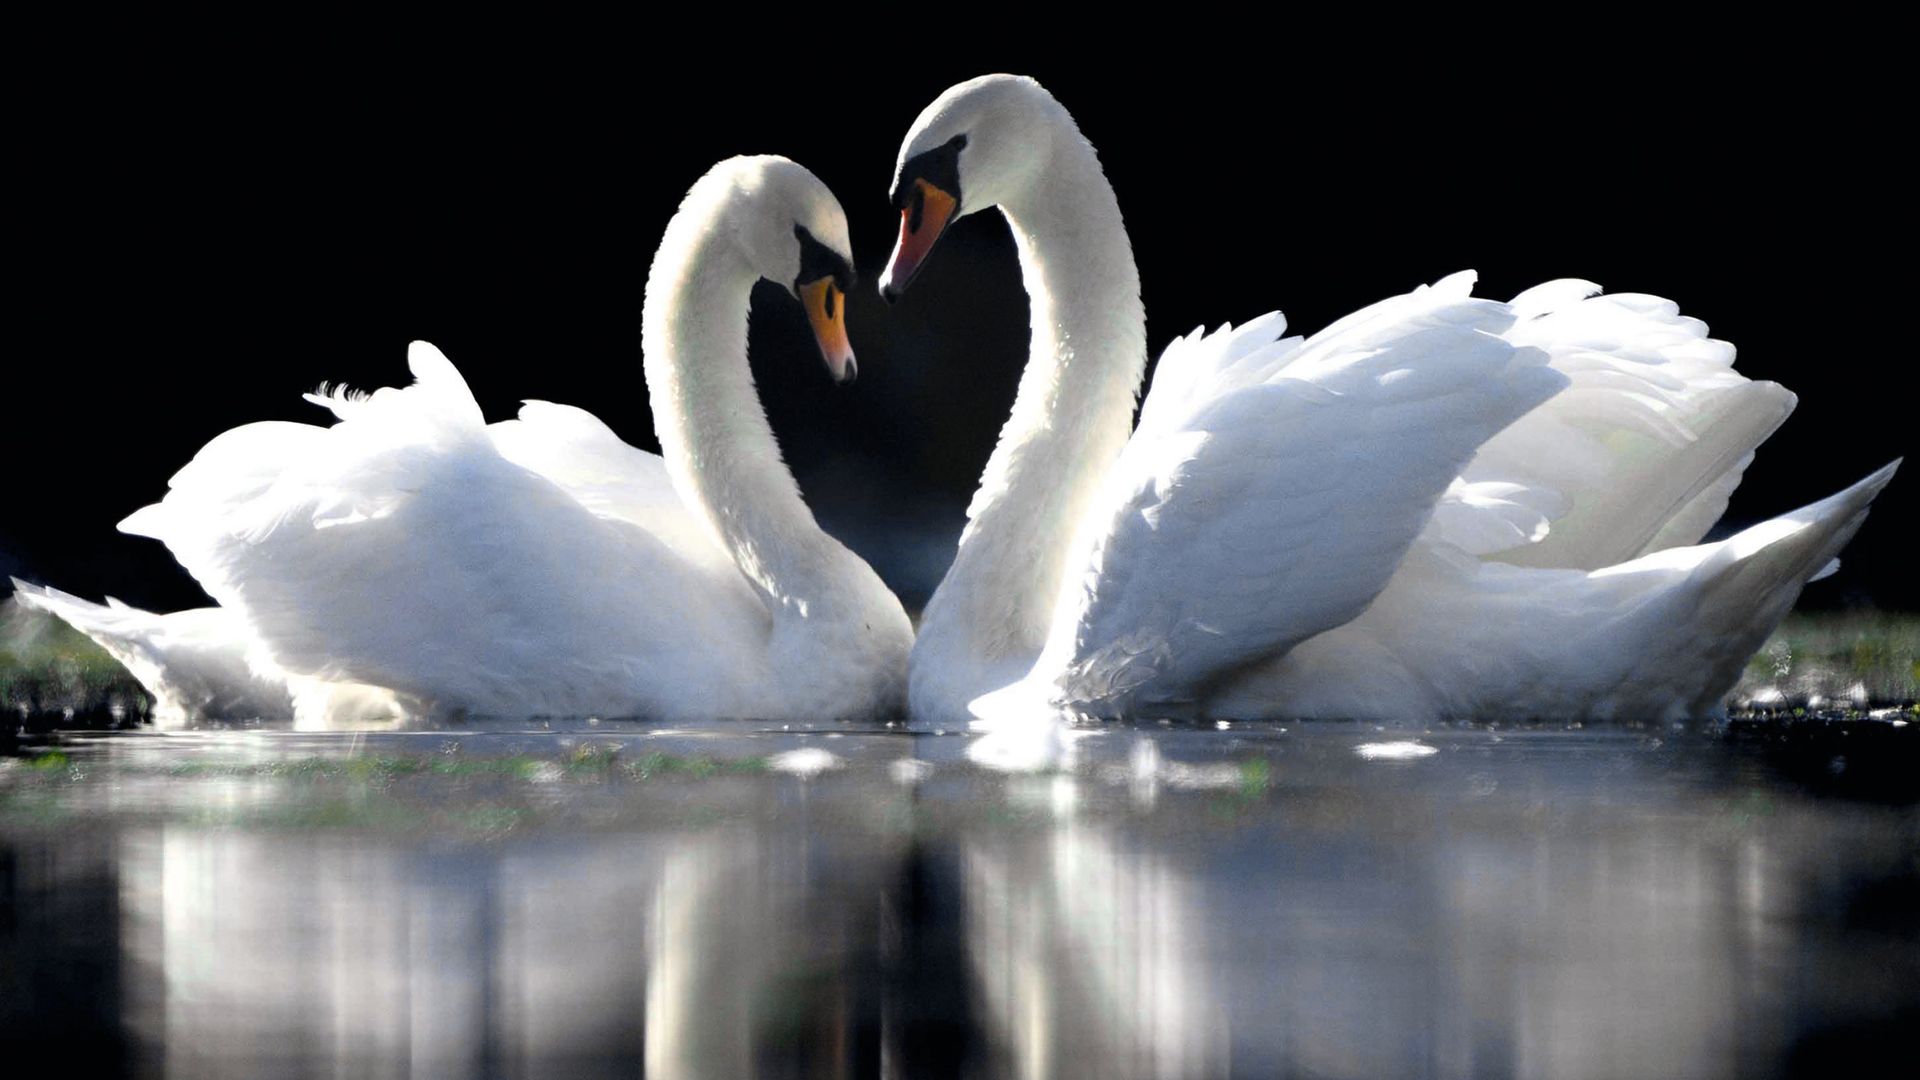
x=1323 y=900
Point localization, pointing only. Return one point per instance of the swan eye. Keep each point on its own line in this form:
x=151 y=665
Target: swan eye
x=931 y=200
x=821 y=298
x=924 y=216
x=917 y=209
x=818 y=261
x=938 y=168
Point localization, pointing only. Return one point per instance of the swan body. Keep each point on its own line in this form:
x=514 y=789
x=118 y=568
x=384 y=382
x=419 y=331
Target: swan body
x=1440 y=506
x=541 y=566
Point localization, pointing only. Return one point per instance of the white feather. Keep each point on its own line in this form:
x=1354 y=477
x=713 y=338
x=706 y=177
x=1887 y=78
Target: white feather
x=541 y=565
x=1437 y=506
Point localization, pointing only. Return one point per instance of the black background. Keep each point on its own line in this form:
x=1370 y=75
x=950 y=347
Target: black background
x=203 y=228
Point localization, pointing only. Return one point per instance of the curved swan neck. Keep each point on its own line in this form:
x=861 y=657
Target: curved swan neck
x=719 y=448
x=1088 y=324
x=1072 y=415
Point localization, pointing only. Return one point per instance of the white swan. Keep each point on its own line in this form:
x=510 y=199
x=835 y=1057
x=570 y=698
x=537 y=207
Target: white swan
x=541 y=565
x=1439 y=506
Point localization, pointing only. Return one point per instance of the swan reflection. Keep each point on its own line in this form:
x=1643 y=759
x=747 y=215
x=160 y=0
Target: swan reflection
x=1163 y=912
x=1089 y=954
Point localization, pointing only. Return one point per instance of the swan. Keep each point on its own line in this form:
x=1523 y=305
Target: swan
x=1438 y=507
x=541 y=566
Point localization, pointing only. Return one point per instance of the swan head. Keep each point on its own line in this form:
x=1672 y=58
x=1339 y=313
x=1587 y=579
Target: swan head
x=792 y=231
x=979 y=145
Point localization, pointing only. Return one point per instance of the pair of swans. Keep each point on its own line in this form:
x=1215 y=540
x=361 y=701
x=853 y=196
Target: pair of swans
x=1438 y=506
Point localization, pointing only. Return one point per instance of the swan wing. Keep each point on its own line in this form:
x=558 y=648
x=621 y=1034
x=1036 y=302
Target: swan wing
x=1642 y=450
x=1664 y=635
x=1274 y=485
x=401 y=548
x=577 y=451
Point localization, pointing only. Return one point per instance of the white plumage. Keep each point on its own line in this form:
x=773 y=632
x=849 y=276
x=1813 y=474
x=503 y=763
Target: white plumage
x=541 y=565
x=1439 y=506
x=203 y=664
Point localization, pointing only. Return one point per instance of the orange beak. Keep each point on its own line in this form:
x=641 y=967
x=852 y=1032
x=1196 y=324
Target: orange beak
x=925 y=217
x=827 y=311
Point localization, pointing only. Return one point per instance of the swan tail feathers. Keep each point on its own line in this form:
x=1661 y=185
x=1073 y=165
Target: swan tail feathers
x=1748 y=582
x=201 y=665
x=194 y=663
x=112 y=619
x=118 y=631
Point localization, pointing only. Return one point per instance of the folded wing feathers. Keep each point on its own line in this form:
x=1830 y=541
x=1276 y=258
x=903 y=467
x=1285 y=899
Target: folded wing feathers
x=1286 y=482
x=246 y=481
x=577 y=450
x=1648 y=440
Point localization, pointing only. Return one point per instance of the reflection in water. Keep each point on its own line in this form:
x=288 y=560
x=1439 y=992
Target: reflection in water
x=1088 y=957
x=1558 y=905
x=695 y=954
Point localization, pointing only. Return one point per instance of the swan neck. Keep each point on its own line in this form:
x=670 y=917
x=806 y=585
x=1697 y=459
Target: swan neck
x=1073 y=412
x=1083 y=289
x=714 y=436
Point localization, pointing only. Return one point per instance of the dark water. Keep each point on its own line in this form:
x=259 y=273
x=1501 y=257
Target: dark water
x=1260 y=901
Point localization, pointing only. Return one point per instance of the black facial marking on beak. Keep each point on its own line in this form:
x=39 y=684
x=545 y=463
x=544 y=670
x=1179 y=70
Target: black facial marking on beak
x=939 y=166
x=817 y=260
x=927 y=194
x=821 y=286
x=916 y=209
